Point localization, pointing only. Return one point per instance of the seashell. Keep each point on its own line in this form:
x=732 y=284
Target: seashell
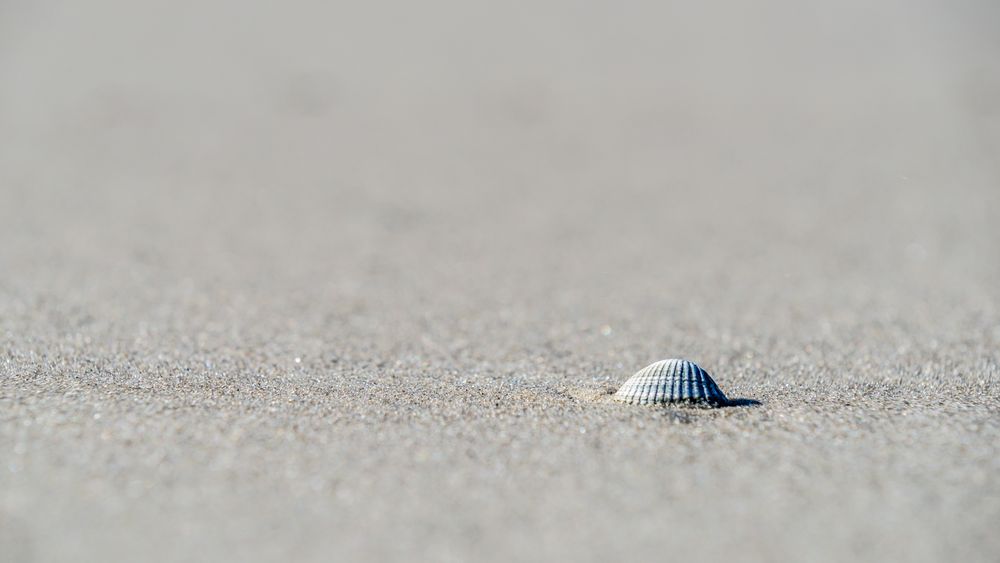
x=671 y=381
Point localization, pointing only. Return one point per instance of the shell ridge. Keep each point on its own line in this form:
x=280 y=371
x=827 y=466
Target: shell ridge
x=675 y=381
x=682 y=377
x=637 y=386
x=654 y=386
x=702 y=383
x=660 y=391
x=666 y=382
x=640 y=386
x=647 y=388
x=658 y=382
x=697 y=383
x=717 y=395
x=688 y=381
x=706 y=382
x=681 y=374
x=678 y=380
x=696 y=380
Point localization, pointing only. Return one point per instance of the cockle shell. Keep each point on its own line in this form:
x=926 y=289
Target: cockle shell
x=671 y=381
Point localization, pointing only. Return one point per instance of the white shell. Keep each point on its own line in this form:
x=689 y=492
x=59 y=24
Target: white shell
x=671 y=381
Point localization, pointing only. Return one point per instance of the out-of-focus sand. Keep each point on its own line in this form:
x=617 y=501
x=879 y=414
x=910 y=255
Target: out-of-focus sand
x=294 y=281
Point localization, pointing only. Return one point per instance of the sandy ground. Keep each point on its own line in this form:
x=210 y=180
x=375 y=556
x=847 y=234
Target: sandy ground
x=327 y=283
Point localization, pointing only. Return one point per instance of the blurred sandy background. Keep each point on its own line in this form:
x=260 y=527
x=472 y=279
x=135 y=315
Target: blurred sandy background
x=319 y=280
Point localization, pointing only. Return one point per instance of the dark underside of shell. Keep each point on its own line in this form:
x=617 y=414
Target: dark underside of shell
x=671 y=381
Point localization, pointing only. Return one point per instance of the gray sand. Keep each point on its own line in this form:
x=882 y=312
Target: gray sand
x=317 y=283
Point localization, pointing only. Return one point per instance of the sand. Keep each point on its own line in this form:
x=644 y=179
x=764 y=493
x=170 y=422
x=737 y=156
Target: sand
x=326 y=283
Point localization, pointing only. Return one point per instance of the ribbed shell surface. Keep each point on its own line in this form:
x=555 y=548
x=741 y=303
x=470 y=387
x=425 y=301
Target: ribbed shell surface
x=671 y=381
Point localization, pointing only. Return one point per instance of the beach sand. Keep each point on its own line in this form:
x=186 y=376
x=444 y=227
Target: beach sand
x=318 y=283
